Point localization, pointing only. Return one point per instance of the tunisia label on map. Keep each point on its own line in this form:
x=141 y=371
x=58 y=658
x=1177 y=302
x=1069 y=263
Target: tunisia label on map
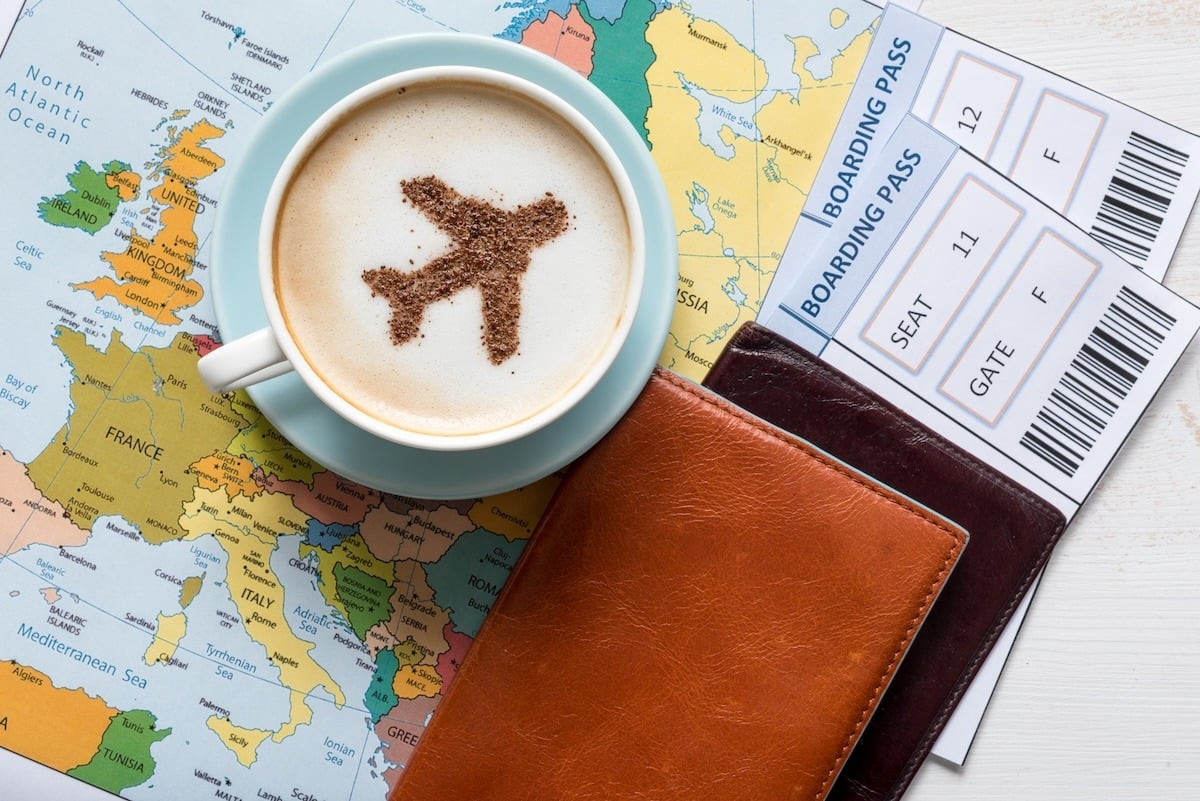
x=217 y=614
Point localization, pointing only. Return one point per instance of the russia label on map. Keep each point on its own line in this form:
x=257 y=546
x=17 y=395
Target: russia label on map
x=217 y=614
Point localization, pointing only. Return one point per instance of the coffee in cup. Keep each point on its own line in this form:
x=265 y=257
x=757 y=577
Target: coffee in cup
x=450 y=258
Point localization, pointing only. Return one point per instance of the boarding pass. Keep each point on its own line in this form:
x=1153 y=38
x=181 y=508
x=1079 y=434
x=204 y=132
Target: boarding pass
x=1126 y=178
x=947 y=283
x=982 y=312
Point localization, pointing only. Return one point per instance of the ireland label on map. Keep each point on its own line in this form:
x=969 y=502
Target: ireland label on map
x=215 y=613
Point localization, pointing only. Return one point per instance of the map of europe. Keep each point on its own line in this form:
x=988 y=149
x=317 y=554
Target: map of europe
x=190 y=607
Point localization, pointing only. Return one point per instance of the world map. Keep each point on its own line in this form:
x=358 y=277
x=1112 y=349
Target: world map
x=190 y=607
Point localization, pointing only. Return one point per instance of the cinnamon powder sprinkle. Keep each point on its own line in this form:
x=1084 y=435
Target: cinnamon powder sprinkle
x=492 y=252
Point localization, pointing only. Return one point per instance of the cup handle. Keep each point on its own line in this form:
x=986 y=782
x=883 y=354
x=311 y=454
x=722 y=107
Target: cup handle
x=244 y=361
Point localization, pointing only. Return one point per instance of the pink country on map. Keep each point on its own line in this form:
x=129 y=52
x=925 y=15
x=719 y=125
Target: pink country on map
x=27 y=517
x=569 y=39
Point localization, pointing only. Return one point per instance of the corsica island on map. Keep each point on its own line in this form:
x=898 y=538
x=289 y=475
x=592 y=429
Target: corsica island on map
x=212 y=608
x=280 y=610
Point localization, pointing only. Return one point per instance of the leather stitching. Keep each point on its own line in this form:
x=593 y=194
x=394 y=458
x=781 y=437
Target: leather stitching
x=960 y=686
x=993 y=633
x=957 y=541
x=797 y=443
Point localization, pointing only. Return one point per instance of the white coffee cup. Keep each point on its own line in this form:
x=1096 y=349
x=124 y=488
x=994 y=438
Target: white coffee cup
x=566 y=342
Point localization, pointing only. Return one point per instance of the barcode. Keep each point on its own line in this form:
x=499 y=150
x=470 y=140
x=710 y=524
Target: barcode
x=1137 y=198
x=1097 y=380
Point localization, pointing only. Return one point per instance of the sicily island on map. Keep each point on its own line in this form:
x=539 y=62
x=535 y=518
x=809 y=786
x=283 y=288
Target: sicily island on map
x=190 y=607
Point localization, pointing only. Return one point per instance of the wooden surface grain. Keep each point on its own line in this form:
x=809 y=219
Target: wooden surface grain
x=1101 y=695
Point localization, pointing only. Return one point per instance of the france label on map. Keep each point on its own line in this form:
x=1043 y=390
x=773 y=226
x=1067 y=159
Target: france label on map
x=208 y=606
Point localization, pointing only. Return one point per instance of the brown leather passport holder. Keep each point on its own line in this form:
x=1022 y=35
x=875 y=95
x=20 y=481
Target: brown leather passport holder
x=1012 y=532
x=709 y=608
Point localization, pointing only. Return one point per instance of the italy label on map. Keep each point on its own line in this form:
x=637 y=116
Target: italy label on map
x=215 y=613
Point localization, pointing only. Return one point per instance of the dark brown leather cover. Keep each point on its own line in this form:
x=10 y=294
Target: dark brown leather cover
x=710 y=608
x=1012 y=532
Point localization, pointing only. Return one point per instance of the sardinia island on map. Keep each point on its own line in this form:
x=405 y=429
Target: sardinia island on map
x=192 y=607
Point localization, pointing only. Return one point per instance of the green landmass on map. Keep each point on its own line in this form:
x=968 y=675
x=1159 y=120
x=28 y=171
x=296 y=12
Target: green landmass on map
x=92 y=200
x=124 y=759
x=356 y=630
x=621 y=58
x=380 y=697
x=364 y=598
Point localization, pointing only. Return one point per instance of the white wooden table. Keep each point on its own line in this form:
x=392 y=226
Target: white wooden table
x=1101 y=695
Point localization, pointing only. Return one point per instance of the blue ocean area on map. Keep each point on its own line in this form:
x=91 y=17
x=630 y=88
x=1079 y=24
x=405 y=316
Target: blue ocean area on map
x=718 y=114
x=173 y=530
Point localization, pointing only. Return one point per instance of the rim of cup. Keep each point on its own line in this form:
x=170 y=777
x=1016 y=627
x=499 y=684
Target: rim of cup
x=553 y=104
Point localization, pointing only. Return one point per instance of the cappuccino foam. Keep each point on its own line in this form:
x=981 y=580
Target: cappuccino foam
x=345 y=213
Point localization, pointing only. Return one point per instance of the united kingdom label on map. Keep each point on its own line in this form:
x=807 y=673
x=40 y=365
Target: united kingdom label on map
x=269 y=613
x=1126 y=178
